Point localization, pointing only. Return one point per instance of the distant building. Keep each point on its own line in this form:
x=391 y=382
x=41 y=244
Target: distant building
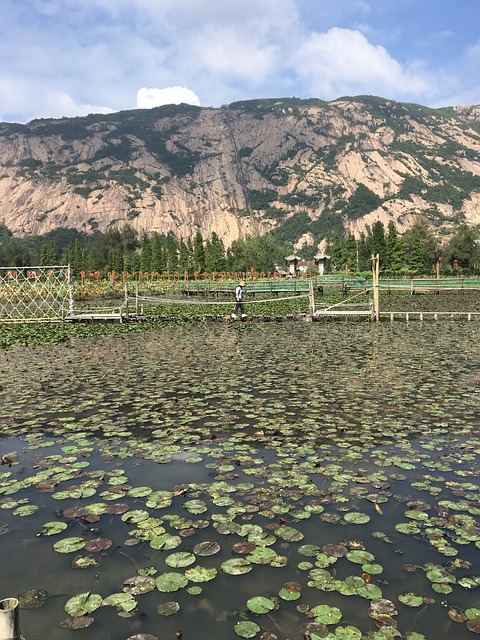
x=320 y=260
x=292 y=262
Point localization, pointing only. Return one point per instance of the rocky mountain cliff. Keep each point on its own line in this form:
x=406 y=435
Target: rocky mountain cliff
x=302 y=167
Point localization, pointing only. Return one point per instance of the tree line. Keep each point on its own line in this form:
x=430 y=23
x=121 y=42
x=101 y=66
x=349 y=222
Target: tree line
x=417 y=251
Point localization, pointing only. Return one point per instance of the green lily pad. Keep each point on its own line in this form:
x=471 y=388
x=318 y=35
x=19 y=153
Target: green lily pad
x=360 y=556
x=236 y=566
x=122 y=601
x=53 y=528
x=260 y=604
x=26 y=510
x=354 y=517
x=68 y=545
x=201 y=574
x=180 y=559
x=195 y=506
x=246 y=629
x=326 y=615
x=170 y=582
x=83 y=562
x=348 y=632
x=289 y=534
x=408 y=528
x=165 y=541
x=410 y=599
x=261 y=555
x=290 y=591
x=83 y=603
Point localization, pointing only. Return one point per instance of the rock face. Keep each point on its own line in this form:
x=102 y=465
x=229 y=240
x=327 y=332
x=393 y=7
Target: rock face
x=247 y=167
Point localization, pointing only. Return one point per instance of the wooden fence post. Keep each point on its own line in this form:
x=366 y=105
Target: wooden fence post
x=376 y=278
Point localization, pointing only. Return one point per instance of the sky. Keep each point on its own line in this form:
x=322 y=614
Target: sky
x=74 y=57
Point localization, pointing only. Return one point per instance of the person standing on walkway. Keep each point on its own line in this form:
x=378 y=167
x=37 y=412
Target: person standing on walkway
x=239 y=307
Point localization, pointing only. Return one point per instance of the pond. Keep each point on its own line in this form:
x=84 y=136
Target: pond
x=282 y=480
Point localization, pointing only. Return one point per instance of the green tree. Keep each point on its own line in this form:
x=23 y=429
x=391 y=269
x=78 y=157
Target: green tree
x=183 y=257
x=395 y=255
x=337 y=253
x=171 y=253
x=364 y=252
x=191 y=263
x=16 y=253
x=48 y=253
x=463 y=247
x=351 y=254
x=416 y=260
x=129 y=239
x=75 y=257
x=215 y=254
x=379 y=244
x=261 y=253
x=420 y=233
x=145 y=255
x=198 y=253
x=158 y=261
x=115 y=260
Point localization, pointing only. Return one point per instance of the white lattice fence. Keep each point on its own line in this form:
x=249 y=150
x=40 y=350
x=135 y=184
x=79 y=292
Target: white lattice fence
x=32 y=294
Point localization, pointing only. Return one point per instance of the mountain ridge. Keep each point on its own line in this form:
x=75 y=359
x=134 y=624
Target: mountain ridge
x=306 y=167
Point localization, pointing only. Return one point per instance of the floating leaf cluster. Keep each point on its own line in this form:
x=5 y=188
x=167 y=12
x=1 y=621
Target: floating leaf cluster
x=275 y=483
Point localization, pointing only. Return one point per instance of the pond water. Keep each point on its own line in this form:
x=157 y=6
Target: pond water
x=285 y=480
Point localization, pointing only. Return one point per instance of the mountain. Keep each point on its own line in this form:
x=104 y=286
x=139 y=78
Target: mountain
x=299 y=167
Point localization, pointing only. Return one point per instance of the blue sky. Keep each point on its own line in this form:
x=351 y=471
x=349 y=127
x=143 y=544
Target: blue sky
x=74 y=57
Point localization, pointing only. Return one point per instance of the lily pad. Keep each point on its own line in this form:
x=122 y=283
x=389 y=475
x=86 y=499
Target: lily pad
x=124 y=602
x=246 y=629
x=411 y=599
x=32 y=599
x=53 y=528
x=207 y=548
x=355 y=517
x=201 y=574
x=98 y=544
x=69 y=545
x=326 y=615
x=83 y=603
x=170 y=582
x=316 y=631
x=260 y=604
x=138 y=585
x=83 y=562
x=168 y=608
x=236 y=566
x=82 y=622
x=348 y=632
x=180 y=559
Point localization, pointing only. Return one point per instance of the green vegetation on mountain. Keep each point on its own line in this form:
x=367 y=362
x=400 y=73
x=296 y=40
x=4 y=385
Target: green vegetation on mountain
x=303 y=170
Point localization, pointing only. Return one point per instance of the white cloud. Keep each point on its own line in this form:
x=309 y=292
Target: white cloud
x=234 y=55
x=148 y=98
x=77 y=56
x=343 y=61
x=58 y=105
